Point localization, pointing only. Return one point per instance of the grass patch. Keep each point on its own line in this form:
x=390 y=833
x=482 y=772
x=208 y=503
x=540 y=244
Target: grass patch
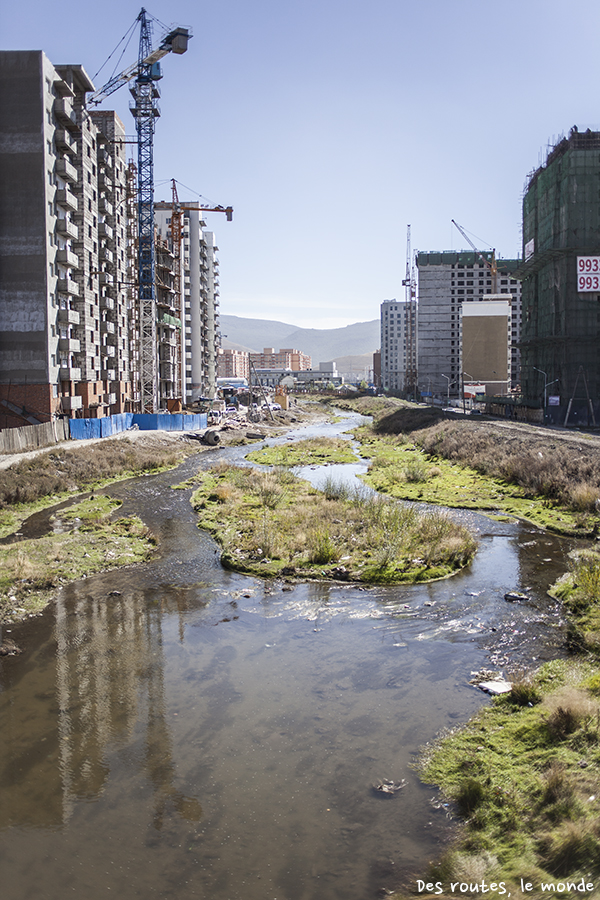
x=272 y=523
x=405 y=469
x=515 y=774
x=579 y=589
x=310 y=452
x=70 y=469
x=31 y=570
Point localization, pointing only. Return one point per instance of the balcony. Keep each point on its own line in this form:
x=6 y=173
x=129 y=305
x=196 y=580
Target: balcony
x=107 y=302
x=104 y=230
x=105 y=278
x=67 y=373
x=107 y=327
x=67 y=258
x=67 y=286
x=66 y=200
x=66 y=170
x=107 y=351
x=64 y=112
x=104 y=181
x=109 y=399
x=65 y=142
x=70 y=345
x=71 y=403
x=65 y=227
x=105 y=158
x=106 y=254
x=68 y=316
x=105 y=207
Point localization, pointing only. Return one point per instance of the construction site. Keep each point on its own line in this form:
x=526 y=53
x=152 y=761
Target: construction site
x=109 y=302
x=561 y=294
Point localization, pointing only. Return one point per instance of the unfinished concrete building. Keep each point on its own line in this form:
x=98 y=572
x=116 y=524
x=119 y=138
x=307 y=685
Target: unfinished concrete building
x=561 y=322
x=445 y=281
x=64 y=339
x=198 y=313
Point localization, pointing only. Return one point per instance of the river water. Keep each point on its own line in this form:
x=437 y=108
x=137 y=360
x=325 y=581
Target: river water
x=174 y=730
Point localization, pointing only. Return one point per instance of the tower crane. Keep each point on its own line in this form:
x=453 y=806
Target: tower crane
x=144 y=74
x=491 y=264
x=410 y=322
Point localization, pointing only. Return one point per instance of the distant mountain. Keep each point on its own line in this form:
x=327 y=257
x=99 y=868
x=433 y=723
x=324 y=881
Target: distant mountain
x=321 y=344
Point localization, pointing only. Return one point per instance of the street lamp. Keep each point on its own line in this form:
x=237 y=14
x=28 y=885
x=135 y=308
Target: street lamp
x=447 y=377
x=546 y=386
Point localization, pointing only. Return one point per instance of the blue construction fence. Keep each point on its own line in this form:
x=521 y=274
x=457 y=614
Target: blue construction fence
x=83 y=429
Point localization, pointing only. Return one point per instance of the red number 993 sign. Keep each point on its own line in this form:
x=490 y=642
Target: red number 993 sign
x=588 y=274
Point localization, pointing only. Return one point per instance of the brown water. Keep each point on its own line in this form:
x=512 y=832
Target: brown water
x=200 y=734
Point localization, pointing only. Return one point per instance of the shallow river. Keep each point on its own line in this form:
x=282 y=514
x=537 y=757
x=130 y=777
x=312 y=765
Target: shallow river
x=176 y=731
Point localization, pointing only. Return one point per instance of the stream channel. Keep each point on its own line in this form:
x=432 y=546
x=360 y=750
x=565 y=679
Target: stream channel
x=174 y=730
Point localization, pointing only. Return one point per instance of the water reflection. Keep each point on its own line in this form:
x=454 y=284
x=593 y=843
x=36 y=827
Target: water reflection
x=174 y=730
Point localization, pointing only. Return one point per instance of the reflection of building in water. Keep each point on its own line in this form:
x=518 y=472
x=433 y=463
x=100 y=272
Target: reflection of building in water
x=109 y=676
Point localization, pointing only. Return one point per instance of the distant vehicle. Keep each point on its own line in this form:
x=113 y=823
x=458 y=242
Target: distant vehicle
x=214 y=416
x=231 y=410
x=275 y=406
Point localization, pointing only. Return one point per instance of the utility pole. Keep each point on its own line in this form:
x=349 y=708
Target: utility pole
x=410 y=322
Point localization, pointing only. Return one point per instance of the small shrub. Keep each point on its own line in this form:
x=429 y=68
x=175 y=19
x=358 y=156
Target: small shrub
x=335 y=490
x=470 y=795
x=524 y=693
x=321 y=549
x=569 y=848
x=583 y=497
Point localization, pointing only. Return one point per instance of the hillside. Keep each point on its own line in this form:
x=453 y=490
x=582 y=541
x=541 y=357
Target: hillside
x=321 y=344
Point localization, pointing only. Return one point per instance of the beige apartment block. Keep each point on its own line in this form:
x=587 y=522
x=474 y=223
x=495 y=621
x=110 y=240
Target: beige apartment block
x=285 y=358
x=486 y=342
x=233 y=364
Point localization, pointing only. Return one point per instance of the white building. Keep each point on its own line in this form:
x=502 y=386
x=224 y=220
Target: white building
x=395 y=345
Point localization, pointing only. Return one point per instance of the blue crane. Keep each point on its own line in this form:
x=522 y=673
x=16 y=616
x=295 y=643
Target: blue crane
x=144 y=74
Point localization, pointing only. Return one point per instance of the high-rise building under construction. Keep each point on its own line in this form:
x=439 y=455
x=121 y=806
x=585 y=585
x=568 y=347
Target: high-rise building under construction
x=561 y=312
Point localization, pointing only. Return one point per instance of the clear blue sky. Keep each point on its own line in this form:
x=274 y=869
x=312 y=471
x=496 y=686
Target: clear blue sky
x=331 y=125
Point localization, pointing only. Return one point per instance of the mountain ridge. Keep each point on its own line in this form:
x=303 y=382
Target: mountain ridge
x=321 y=344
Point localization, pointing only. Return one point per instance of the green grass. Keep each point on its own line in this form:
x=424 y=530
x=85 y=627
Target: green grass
x=579 y=589
x=272 y=523
x=31 y=570
x=514 y=773
x=313 y=451
x=401 y=469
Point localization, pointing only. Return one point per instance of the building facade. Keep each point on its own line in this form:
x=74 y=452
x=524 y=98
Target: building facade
x=233 y=364
x=64 y=342
x=445 y=281
x=561 y=328
x=395 y=345
x=285 y=358
x=199 y=304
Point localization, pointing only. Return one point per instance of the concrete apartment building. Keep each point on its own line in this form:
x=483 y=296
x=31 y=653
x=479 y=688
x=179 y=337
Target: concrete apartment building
x=281 y=359
x=64 y=344
x=395 y=345
x=199 y=311
x=561 y=323
x=233 y=364
x=445 y=281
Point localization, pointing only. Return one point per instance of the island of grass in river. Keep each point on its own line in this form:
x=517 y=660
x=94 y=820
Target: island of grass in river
x=273 y=523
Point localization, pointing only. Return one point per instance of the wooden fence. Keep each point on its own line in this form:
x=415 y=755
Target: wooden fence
x=30 y=437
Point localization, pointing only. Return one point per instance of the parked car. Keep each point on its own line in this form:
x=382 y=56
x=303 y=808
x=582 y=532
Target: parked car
x=231 y=410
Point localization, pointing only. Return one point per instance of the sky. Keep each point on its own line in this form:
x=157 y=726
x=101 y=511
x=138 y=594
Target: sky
x=332 y=125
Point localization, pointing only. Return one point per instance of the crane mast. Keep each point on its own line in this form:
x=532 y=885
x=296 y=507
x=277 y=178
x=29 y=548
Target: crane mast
x=145 y=110
x=492 y=266
x=144 y=113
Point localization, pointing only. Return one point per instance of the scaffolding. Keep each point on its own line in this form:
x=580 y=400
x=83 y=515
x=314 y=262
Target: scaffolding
x=560 y=330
